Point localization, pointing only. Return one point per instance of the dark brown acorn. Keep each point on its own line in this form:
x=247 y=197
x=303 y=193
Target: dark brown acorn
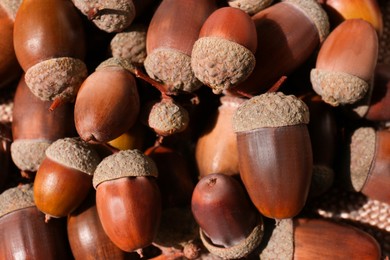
x=128 y=199
x=274 y=152
x=230 y=226
x=107 y=104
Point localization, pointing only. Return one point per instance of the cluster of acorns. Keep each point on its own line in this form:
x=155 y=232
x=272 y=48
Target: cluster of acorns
x=204 y=127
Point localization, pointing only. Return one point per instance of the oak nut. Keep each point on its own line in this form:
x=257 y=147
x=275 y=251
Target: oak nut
x=223 y=55
x=64 y=177
x=346 y=63
x=230 y=226
x=274 y=153
x=128 y=199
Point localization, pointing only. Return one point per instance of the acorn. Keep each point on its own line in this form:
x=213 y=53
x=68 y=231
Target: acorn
x=367 y=164
x=223 y=55
x=24 y=234
x=64 y=177
x=107 y=104
x=274 y=150
x=134 y=138
x=34 y=128
x=250 y=6
x=346 y=63
x=230 y=226
x=170 y=39
x=128 y=199
x=50 y=47
x=10 y=69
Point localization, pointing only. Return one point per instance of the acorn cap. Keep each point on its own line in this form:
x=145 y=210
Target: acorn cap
x=57 y=77
x=130 y=44
x=74 y=153
x=173 y=68
x=315 y=13
x=126 y=163
x=270 y=110
x=28 y=154
x=16 y=198
x=281 y=243
x=250 y=6
x=337 y=87
x=220 y=63
x=11 y=7
x=244 y=248
x=362 y=148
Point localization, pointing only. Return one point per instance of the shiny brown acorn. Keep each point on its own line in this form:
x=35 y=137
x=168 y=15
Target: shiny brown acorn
x=134 y=138
x=34 y=128
x=50 y=46
x=170 y=39
x=128 y=199
x=249 y=6
x=274 y=152
x=107 y=104
x=223 y=55
x=24 y=234
x=346 y=63
x=64 y=177
x=230 y=226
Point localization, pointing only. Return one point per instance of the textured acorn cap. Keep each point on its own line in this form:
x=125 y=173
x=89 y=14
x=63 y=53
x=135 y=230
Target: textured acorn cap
x=313 y=10
x=56 y=78
x=221 y=64
x=16 y=198
x=29 y=154
x=126 y=163
x=281 y=243
x=338 y=88
x=173 y=68
x=362 y=149
x=244 y=248
x=270 y=110
x=130 y=44
x=74 y=153
x=250 y=6
x=11 y=7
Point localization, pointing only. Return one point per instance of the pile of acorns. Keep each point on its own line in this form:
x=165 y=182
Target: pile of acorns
x=190 y=129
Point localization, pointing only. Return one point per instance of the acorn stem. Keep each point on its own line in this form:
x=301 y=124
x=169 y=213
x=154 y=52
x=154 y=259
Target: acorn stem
x=275 y=87
x=58 y=101
x=47 y=218
x=160 y=87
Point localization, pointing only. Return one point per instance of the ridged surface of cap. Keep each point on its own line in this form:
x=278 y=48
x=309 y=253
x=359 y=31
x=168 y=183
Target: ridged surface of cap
x=74 y=153
x=11 y=7
x=126 y=163
x=281 y=243
x=29 y=154
x=16 y=198
x=270 y=110
x=250 y=6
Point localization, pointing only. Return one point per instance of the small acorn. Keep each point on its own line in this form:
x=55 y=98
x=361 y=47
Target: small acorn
x=346 y=63
x=250 y=6
x=24 y=234
x=64 y=177
x=50 y=46
x=128 y=199
x=230 y=227
x=107 y=104
x=223 y=55
x=274 y=153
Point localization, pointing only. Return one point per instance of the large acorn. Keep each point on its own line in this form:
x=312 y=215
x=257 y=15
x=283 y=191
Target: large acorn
x=128 y=199
x=274 y=151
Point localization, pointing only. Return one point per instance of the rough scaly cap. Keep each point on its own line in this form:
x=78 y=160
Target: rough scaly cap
x=74 y=153
x=29 y=154
x=126 y=163
x=270 y=110
x=11 y=7
x=16 y=198
x=281 y=241
x=250 y=6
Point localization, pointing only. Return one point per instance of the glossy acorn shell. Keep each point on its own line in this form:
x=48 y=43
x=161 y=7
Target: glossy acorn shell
x=129 y=210
x=276 y=168
x=25 y=235
x=107 y=104
x=58 y=189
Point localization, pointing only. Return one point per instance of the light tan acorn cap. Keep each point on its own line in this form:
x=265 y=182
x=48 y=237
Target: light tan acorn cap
x=11 y=7
x=270 y=110
x=338 y=88
x=29 y=154
x=57 y=77
x=221 y=64
x=250 y=6
x=16 y=198
x=172 y=68
x=74 y=153
x=281 y=243
x=126 y=163
x=362 y=148
x=244 y=248
x=316 y=14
